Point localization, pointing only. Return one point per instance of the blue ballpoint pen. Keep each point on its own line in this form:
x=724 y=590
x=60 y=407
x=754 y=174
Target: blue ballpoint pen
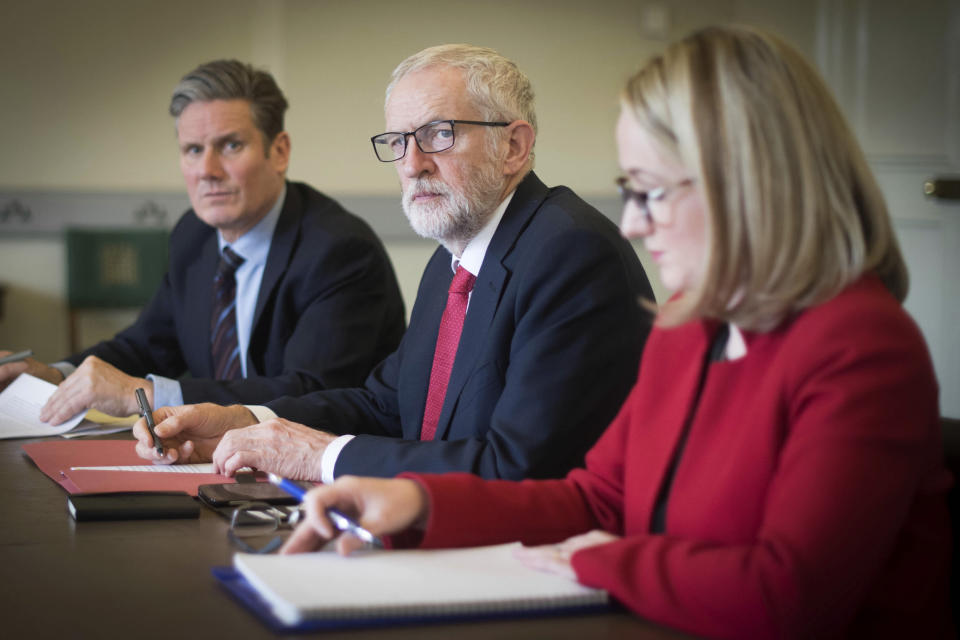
x=340 y=521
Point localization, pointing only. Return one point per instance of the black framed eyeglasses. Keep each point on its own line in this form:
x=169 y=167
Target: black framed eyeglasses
x=432 y=137
x=643 y=198
x=253 y=521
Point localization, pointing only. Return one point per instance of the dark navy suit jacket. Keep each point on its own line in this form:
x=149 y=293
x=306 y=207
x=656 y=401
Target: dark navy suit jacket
x=550 y=347
x=329 y=308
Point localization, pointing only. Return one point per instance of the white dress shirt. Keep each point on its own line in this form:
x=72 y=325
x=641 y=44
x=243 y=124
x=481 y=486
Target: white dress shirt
x=471 y=260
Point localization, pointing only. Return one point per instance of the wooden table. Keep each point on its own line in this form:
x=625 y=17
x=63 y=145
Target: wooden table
x=151 y=579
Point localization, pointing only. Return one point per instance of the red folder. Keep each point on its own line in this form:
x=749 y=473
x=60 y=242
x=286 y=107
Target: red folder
x=56 y=457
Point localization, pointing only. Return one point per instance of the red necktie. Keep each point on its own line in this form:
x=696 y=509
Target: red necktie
x=451 y=325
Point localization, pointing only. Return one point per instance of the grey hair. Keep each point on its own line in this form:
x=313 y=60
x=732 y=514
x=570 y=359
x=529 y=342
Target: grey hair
x=495 y=85
x=234 y=80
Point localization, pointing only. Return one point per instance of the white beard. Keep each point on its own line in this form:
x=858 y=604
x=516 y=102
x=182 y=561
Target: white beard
x=457 y=216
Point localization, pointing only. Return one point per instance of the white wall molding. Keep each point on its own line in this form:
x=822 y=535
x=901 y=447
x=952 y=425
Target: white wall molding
x=50 y=212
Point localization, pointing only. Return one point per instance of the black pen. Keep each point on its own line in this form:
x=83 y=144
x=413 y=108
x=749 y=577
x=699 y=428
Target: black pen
x=148 y=416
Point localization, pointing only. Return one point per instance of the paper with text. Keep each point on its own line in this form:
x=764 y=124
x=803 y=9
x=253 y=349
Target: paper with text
x=154 y=468
x=161 y=468
x=20 y=405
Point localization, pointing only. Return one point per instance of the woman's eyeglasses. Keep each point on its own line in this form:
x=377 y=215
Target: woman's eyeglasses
x=647 y=200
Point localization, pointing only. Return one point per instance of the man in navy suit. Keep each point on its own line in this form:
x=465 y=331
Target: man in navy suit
x=552 y=333
x=310 y=301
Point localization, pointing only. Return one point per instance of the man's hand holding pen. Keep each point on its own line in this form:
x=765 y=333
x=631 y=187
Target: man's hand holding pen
x=232 y=439
x=189 y=433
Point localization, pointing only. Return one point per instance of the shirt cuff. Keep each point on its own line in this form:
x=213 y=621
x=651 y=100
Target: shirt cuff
x=64 y=367
x=166 y=392
x=261 y=413
x=329 y=460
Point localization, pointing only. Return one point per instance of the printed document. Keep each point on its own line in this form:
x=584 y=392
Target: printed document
x=20 y=405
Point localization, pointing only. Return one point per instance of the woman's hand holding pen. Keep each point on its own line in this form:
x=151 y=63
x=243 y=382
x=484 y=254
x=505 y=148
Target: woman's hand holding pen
x=190 y=433
x=383 y=507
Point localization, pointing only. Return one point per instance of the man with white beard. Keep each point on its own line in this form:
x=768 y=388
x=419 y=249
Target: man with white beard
x=527 y=330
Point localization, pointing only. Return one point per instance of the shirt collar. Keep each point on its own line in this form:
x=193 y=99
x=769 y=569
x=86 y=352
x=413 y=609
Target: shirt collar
x=476 y=249
x=254 y=245
x=736 y=345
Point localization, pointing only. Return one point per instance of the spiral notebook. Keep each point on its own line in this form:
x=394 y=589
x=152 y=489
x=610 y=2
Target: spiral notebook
x=373 y=588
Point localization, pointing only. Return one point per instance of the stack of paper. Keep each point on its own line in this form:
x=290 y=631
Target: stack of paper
x=96 y=423
x=20 y=405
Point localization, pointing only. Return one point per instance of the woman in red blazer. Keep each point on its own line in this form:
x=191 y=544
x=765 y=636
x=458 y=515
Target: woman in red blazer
x=777 y=470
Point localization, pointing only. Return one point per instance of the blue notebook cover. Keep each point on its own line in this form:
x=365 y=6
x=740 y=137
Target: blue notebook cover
x=238 y=587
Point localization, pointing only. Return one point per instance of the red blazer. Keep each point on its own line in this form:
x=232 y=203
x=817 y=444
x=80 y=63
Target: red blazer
x=809 y=500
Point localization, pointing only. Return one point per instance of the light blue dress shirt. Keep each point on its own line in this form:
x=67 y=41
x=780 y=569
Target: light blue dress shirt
x=254 y=246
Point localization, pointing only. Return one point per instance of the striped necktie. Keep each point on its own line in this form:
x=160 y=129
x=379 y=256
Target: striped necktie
x=223 y=321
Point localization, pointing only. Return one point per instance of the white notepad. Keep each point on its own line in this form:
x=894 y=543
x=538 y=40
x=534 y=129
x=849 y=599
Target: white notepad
x=408 y=583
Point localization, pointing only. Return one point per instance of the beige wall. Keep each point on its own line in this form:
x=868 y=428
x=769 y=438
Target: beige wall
x=86 y=85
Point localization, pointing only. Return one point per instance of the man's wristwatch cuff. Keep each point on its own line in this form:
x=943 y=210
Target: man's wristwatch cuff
x=260 y=412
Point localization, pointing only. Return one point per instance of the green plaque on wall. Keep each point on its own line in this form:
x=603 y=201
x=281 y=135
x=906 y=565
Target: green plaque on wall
x=114 y=268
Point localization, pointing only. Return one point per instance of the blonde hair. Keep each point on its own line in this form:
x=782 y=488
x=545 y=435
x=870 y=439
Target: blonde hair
x=794 y=213
x=495 y=85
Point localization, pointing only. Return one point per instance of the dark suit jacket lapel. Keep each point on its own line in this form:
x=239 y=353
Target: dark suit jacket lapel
x=281 y=249
x=199 y=290
x=487 y=291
